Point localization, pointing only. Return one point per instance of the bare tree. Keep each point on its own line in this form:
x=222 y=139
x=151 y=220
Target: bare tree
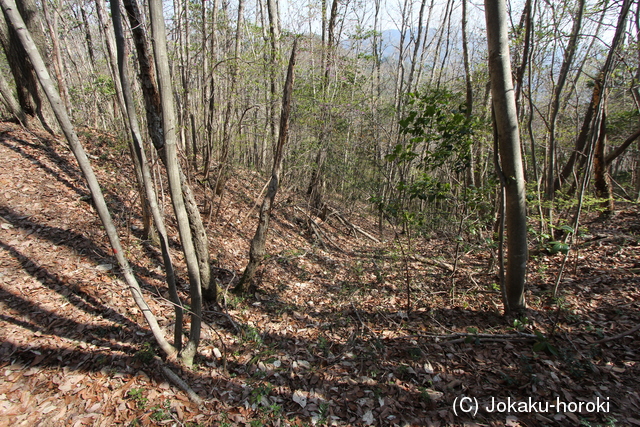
x=30 y=96
x=153 y=108
x=223 y=170
x=567 y=62
x=10 y=101
x=506 y=122
x=257 y=251
x=173 y=174
x=147 y=182
x=581 y=146
x=24 y=37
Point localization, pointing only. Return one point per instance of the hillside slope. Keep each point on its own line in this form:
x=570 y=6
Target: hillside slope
x=326 y=339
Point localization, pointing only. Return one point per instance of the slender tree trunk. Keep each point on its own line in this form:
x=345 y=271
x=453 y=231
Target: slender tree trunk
x=447 y=42
x=87 y=37
x=510 y=153
x=602 y=179
x=426 y=45
x=274 y=39
x=150 y=93
x=621 y=149
x=150 y=193
x=468 y=79
x=257 y=250
x=519 y=75
x=173 y=174
x=569 y=53
x=30 y=95
x=399 y=77
x=11 y=12
x=316 y=183
x=418 y=43
x=440 y=38
x=11 y=102
x=58 y=67
x=147 y=222
x=112 y=65
x=224 y=168
x=153 y=109
x=600 y=84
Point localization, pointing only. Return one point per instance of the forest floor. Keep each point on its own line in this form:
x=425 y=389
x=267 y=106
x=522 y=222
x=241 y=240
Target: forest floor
x=327 y=338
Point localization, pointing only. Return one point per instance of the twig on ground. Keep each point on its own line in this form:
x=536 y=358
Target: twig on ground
x=441 y=264
x=461 y=337
x=176 y=380
x=621 y=335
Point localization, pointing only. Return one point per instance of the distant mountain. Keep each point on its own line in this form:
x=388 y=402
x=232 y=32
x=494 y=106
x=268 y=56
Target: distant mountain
x=391 y=42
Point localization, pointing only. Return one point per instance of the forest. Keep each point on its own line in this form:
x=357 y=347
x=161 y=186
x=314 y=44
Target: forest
x=340 y=212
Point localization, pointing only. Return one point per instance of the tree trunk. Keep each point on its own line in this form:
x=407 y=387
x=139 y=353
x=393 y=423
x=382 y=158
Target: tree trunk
x=58 y=67
x=600 y=84
x=274 y=38
x=418 y=42
x=569 y=53
x=224 y=167
x=113 y=69
x=147 y=181
x=519 y=74
x=316 y=183
x=11 y=102
x=173 y=175
x=13 y=16
x=87 y=37
x=470 y=172
x=153 y=107
x=510 y=153
x=30 y=95
x=602 y=180
x=257 y=251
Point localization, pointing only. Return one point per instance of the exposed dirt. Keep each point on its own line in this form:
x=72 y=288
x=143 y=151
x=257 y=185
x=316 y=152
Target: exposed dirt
x=328 y=338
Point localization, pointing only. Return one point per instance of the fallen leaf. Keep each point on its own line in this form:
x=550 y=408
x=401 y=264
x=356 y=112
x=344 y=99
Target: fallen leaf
x=367 y=418
x=300 y=397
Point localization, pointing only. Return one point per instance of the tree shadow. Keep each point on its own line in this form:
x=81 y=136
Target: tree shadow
x=78 y=298
x=67 y=173
x=73 y=179
x=75 y=241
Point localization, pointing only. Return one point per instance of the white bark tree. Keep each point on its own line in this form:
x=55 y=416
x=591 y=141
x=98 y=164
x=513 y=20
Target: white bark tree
x=506 y=122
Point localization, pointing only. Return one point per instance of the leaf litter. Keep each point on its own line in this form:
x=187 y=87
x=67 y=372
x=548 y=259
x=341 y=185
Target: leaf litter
x=328 y=337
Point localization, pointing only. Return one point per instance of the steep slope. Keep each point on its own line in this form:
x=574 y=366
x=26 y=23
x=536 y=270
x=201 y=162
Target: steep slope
x=326 y=339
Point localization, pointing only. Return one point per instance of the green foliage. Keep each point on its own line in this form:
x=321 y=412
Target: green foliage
x=438 y=121
x=520 y=324
x=136 y=394
x=431 y=162
x=258 y=395
x=493 y=286
x=161 y=413
x=145 y=354
x=543 y=345
x=558 y=247
x=102 y=84
x=252 y=335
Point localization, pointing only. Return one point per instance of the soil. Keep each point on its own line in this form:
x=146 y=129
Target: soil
x=339 y=330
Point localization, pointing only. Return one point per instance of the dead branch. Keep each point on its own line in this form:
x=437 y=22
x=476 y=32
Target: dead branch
x=621 y=335
x=176 y=380
x=320 y=235
x=351 y=225
x=461 y=337
x=441 y=264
